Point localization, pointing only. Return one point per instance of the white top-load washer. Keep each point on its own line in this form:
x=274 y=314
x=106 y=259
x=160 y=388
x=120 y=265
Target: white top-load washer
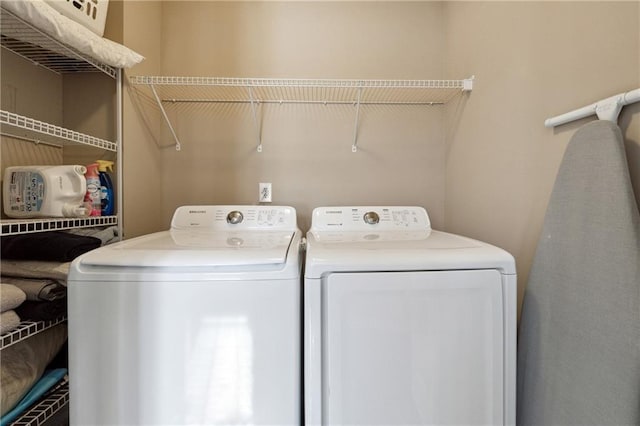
x=199 y=324
x=405 y=325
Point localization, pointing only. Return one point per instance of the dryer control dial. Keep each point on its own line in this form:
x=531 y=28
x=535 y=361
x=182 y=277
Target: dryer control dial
x=371 y=218
x=234 y=217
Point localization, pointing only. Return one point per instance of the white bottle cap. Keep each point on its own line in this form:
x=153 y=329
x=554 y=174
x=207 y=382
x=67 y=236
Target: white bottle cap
x=75 y=210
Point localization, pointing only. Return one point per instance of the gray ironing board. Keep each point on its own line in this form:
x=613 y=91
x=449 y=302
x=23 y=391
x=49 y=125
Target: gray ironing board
x=579 y=340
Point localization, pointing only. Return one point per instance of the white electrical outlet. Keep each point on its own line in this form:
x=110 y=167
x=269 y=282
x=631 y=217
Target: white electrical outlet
x=264 y=195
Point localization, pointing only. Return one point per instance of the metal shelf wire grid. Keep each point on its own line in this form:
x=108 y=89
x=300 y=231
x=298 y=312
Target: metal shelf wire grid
x=55 y=400
x=32 y=44
x=27 y=329
x=264 y=90
x=52 y=131
x=27 y=226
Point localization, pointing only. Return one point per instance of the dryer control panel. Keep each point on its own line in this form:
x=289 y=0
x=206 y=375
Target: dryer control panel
x=368 y=218
x=235 y=218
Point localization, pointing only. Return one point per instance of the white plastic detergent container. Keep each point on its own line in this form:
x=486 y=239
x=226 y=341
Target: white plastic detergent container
x=44 y=191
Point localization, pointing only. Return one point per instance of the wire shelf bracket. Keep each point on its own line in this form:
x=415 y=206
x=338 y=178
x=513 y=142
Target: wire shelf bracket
x=354 y=146
x=254 y=112
x=166 y=117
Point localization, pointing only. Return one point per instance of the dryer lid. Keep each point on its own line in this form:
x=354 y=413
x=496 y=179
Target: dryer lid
x=391 y=238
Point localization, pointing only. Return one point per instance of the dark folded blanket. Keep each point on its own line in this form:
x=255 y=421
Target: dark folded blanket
x=42 y=311
x=53 y=246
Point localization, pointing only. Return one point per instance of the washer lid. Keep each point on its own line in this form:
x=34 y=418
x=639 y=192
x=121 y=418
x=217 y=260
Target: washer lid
x=218 y=236
x=195 y=248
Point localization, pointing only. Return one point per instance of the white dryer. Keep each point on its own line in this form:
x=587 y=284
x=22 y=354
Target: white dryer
x=200 y=324
x=405 y=325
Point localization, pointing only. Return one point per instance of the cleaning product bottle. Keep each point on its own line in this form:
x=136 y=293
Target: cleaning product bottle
x=106 y=187
x=93 y=189
x=44 y=191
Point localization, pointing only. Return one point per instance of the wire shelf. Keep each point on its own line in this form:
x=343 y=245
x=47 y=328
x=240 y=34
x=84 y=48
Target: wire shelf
x=44 y=409
x=255 y=91
x=27 y=329
x=328 y=91
x=50 y=132
x=27 y=226
x=32 y=44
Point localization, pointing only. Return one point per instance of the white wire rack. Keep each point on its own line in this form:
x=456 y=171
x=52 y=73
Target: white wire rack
x=27 y=329
x=56 y=399
x=255 y=91
x=49 y=133
x=32 y=44
x=27 y=226
x=37 y=47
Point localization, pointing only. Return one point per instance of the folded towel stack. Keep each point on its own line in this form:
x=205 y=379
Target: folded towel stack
x=36 y=269
x=11 y=297
x=33 y=277
x=38 y=289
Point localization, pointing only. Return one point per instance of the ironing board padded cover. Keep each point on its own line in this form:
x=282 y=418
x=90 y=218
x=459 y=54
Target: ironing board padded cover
x=579 y=342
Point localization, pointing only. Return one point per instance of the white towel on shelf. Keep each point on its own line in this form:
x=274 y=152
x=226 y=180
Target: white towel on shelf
x=9 y=320
x=10 y=297
x=37 y=289
x=36 y=269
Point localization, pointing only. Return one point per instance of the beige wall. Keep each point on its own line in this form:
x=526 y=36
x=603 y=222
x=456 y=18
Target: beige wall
x=142 y=164
x=532 y=61
x=307 y=149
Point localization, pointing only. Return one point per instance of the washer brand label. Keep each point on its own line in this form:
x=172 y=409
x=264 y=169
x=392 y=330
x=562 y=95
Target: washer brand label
x=197 y=211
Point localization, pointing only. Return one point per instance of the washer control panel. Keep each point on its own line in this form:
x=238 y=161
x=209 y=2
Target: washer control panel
x=368 y=218
x=235 y=218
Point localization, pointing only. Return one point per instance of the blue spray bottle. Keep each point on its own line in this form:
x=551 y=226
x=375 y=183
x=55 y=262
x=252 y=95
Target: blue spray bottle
x=107 y=194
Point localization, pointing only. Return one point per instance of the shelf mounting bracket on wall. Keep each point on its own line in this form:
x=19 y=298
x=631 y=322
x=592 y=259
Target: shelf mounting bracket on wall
x=354 y=146
x=254 y=111
x=166 y=117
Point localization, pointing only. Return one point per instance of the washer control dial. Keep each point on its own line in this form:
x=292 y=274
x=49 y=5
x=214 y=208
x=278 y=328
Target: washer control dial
x=371 y=218
x=234 y=217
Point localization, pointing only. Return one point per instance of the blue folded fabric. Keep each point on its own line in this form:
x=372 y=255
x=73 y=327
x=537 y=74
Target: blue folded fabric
x=48 y=380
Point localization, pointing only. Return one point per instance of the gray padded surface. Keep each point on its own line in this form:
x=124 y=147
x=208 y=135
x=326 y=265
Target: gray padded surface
x=579 y=341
